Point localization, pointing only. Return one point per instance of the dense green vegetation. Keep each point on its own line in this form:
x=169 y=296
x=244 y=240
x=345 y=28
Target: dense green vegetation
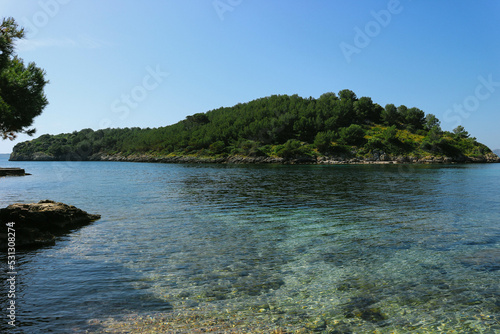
x=21 y=86
x=279 y=126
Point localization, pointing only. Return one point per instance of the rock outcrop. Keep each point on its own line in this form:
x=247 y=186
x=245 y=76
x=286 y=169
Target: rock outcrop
x=14 y=171
x=38 y=224
x=375 y=157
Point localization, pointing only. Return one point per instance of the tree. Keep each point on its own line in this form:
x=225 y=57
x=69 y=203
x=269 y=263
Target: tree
x=21 y=86
x=328 y=95
x=367 y=111
x=402 y=109
x=390 y=134
x=352 y=135
x=460 y=132
x=390 y=115
x=304 y=128
x=414 y=119
x=344 y=112
x=347 y=94
x=323 y=141
x=197 y=119
x=362 y=109
x=431 y=121
x=433 y=142
x=291 y=149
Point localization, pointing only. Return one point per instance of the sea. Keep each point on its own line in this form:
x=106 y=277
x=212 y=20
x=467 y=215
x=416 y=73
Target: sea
x=193 y=248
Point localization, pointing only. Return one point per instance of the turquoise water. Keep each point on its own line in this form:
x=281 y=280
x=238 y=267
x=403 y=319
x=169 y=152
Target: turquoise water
x=332 y=249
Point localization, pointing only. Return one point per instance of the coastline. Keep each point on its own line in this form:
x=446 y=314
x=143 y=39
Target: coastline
x=378 y=158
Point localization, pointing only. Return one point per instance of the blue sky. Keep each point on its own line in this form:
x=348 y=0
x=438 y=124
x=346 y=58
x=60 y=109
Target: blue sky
x=125 y=63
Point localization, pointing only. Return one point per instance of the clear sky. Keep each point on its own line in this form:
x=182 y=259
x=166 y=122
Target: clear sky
x=128 y=63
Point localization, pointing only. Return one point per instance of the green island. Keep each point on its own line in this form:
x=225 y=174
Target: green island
x=334 y=128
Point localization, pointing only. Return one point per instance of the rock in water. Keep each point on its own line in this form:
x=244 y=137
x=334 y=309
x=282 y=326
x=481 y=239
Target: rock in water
x=483 y=260
x=15 y=171
x=38 y=224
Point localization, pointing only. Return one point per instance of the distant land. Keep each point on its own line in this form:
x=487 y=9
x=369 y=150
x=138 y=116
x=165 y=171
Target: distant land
x=334 y=128
x=497 y=151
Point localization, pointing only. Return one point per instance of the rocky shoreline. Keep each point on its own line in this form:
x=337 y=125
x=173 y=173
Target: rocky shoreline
x=375 y=158
x=38 y=224
x=14 y=171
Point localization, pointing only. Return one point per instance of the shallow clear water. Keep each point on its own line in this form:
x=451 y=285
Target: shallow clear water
x=319 y=248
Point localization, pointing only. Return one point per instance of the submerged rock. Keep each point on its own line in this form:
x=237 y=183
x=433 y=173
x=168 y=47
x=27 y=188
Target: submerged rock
x=38 y=224
x=483 y=260
x=362 y=307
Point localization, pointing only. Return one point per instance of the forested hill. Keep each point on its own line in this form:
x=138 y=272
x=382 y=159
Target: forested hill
x=280 y=126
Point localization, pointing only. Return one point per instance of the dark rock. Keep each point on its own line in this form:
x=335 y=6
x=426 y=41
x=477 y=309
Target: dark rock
x=402 y=159
x=384 y=157
x=483 y=260
x=37 y=156
x=362 y=307
x=492 y=157
x=12 y=172
x=37 y=224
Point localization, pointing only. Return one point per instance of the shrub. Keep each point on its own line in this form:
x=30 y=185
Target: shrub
x=352 y=135
x=374 y=144
x=323 y=141
x=249 y=148
x=389 y=134
x=217 y=147
x=293 y=148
